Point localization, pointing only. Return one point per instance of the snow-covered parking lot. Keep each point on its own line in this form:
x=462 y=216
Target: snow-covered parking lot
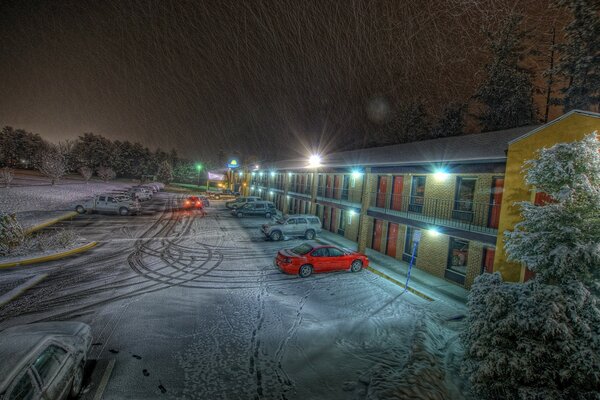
x=193 y=307
x=33 y=199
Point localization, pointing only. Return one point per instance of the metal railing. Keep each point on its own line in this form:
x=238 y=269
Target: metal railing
x=463 y=214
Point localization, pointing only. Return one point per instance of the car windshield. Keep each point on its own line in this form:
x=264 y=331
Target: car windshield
x=303 y=249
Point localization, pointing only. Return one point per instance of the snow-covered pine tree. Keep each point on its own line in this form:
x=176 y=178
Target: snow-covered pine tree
x=165 y=172
x=506 y=93
x=541 y=339
x=579 y=63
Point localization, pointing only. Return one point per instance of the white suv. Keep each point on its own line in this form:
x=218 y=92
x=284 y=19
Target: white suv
x=304 y=225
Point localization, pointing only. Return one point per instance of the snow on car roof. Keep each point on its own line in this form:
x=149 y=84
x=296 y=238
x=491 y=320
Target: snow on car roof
x=19 y=343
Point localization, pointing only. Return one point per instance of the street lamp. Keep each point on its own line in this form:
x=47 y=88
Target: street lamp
x=198 y=168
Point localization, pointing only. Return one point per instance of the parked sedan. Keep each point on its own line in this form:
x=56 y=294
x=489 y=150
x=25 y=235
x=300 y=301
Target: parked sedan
x=192 y=203
x=305 y=259
x=43 y=360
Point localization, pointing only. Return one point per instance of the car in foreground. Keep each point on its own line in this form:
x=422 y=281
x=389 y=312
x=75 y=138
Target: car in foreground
x=241 y=201
x=205 y=200
x=307 y=226
x=306 y=259
x=44 y=360
x=109 y=203
x=257 y=208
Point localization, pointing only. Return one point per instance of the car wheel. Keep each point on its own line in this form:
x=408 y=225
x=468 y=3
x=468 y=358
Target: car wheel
x=80 y=209
x=275 y=235
x=356 y=266
x=240 y=215
x=123 y=211
x=77 y=382
x=305 y=271
x=268 y=215
x=309 y=234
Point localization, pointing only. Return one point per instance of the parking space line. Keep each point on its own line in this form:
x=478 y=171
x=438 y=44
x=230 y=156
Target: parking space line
x=104 y=380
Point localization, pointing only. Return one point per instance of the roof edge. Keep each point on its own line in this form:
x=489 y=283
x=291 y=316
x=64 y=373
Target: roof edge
x=567 y=115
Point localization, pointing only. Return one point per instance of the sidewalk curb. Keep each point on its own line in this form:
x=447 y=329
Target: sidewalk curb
x=389 y=278
x=51 y=257
x=53 y=221
x=19 y=290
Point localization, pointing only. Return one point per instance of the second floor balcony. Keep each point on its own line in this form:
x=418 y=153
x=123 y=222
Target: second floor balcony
x=452 y=213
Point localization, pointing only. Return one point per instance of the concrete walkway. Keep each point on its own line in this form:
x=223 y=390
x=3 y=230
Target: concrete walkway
x=436 y=288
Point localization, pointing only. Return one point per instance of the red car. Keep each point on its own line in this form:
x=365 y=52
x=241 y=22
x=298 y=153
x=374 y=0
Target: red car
x=193 y=202
x=306 y=259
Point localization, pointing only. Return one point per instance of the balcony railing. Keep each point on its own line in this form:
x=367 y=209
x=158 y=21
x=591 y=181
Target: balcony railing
x=466 y=215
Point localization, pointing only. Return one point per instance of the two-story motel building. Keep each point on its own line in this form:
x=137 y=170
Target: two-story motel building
x=459 y=191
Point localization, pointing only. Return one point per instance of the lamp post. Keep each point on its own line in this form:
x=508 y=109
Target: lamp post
x=199 y=168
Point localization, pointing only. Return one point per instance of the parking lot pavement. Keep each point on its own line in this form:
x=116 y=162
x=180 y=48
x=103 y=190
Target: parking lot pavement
x=193 y=307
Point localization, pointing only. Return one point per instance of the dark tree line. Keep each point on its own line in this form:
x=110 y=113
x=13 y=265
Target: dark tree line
x=504 y=99
x=89 y=153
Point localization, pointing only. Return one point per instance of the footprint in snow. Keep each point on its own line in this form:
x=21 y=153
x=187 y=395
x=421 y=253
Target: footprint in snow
x=136 y=357
x=114 y=351
x=146 y=373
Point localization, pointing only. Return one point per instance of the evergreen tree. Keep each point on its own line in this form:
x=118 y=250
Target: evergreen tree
x=93 y=151
x=452 y=122
x=579 y=63
x=408 y=122
x=541 y=339
x=19 y=148
x=165 y=172
x=506 y=93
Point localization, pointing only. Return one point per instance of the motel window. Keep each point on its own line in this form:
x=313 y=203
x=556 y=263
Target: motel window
x=465 y=192
x=417 y=193
x=458 y=256
x=408 y=244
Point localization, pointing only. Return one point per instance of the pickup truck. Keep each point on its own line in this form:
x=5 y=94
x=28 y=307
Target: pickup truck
x=109 y=203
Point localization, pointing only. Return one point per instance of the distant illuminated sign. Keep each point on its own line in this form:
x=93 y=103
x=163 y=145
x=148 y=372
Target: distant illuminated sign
x=233 y=163
x=215 y=177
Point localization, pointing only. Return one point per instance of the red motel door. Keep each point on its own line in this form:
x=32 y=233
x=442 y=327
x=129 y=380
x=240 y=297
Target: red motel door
x=392 y=239
x=326 y=217
x=336 y=187
x=381 y=192
x=332 y=220
x=377 y=234
x=397 y=193
x=488 y=260
x=497 y=189
x=328 y=187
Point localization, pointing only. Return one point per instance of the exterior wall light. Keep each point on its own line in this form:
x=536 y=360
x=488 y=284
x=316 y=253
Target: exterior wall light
x=314 y=160
x=272 y=173
x=441 y=175
x=434 y=232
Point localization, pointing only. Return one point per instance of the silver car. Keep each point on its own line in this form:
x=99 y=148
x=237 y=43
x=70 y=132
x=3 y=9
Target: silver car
x=109 y=203
x=241 y=201
x=307 y=226
x=44 y=360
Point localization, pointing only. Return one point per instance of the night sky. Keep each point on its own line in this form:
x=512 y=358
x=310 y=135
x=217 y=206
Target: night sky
x=272 y=78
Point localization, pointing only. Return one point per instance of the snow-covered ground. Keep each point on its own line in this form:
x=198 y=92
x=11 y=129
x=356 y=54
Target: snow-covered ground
x=193 y=308
x=34 y=200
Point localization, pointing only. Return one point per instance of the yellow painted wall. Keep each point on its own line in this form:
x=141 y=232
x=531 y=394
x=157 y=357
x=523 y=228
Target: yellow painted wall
x=570 y=128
